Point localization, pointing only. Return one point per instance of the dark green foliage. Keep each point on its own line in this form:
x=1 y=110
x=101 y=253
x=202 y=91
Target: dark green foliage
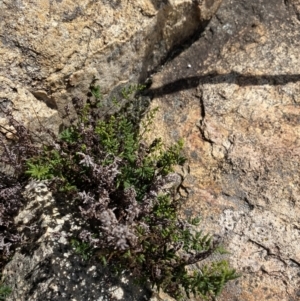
x=96 y=92
x=81 y=248
x=4 y=291
x=211 y=279
x=115 y=181
x=68 y=135
x=38 y=170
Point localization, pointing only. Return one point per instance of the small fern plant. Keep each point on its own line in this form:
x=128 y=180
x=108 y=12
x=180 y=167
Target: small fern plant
x=5 y=291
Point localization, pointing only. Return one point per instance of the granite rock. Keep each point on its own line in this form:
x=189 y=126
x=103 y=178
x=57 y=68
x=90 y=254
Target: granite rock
x=234 y=97
x=54 y=49
x=47 y=266
x=50 y=52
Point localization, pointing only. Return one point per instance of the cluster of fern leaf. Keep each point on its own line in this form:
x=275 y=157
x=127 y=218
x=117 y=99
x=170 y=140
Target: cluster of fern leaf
x=104 y=168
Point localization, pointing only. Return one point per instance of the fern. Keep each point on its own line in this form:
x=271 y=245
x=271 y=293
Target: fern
x=38 y=171
x=211 y=279
x=68 y=135
x=96 y=92
x=5 y=291
x=81 y=248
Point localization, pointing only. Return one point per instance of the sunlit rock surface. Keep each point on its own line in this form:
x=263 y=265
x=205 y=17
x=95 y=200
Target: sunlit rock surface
x=234 y=96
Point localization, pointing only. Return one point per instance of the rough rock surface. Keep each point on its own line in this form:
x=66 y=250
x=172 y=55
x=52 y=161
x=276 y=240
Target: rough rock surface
x=234 y=96
x=54 y=49
x=48 y=264
x=51 y=51
x=25 y=108
x=48 y=268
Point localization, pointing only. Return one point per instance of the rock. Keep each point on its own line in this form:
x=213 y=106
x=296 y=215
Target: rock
x=54 y=49
x=35 y=115
x=25 y=108
x=161 y=296
x=47 y=266
x=50 y=52
x=237 y=108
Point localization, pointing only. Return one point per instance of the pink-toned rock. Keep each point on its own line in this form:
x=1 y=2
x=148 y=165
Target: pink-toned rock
x=237 y=107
